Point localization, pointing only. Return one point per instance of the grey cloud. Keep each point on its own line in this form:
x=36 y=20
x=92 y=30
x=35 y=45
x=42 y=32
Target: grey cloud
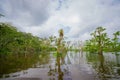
x=97 y=13
x=91 y=13
x=33 y=12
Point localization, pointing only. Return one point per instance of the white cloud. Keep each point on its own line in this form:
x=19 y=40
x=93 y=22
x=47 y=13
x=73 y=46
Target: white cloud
x=77 y=17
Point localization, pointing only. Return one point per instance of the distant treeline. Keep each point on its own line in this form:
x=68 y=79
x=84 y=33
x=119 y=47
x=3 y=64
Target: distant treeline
x=100 y=42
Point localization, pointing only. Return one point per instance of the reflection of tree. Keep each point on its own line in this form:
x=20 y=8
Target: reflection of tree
x=102 y=67
x=57 y=71
x=60 y=73
x=117 y=62
x=44 y=58
x=117 y=59
x=12 y=64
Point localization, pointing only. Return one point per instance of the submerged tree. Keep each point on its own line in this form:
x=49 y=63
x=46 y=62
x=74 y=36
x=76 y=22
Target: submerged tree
x=61 y=33
x=116 y=43
x=101 y=42
x=61 y=43
x=100 y=38
x=60 y=51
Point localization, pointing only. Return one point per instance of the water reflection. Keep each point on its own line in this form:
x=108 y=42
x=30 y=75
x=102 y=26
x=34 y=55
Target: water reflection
x=12 y=64
x=106 y=65
x=59 y=71
x=102 y=68
x=60 y=66
x=118 y=63
x=43 y=60
x=13 y=67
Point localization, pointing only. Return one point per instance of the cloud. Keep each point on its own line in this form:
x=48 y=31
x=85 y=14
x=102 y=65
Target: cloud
x=27 y=12
x=96 y=13
x=77 y=17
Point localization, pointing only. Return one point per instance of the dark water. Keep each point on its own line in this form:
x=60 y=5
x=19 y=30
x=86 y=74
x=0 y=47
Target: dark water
x=65 y=66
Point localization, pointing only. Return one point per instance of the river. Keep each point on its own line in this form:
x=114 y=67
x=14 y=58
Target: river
x=68 y=66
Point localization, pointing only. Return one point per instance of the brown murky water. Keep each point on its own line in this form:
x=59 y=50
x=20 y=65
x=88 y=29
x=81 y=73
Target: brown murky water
x=67 y=66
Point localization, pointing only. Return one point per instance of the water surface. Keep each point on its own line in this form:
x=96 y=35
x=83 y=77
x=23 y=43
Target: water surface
x=66 y=66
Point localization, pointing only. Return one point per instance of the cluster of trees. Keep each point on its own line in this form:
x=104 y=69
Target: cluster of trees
x=101 y=42
x=14 y=42
x=20 y=49
x=20 y=43
x=17 y=43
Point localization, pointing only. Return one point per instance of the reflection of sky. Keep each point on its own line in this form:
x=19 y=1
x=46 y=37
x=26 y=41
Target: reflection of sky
x=80 y=58
x=92 y=62
x=78 y=18
x=112 y=57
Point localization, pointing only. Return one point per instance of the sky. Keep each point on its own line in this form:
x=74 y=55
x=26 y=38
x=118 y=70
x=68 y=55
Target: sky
x=78 y=18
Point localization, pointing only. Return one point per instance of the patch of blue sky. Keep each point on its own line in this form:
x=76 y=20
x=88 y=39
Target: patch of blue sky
x=62 y=3
x=64 y=27
x=110 y=2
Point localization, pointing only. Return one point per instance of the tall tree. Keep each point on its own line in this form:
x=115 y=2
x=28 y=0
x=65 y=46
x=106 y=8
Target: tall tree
x=100 y=38
x=116 y=42
x=61 y=34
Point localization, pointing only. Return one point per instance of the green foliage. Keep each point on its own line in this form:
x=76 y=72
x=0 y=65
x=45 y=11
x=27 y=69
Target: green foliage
x=115 y=42
x=61 y=33
x=101 y=42
x=20 y=43
x=17 y=49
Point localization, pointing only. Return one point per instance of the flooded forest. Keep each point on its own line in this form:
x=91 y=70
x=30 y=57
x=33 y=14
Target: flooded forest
x=27 y=57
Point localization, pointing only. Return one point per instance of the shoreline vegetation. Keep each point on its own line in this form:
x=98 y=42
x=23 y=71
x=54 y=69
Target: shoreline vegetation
x=14 y=41
x=16 y=45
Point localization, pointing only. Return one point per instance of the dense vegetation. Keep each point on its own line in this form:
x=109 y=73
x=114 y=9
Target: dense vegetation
x=17 y=48
x=101 y=42
x=24 y=44
x=20 y=43
x=21 y=50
